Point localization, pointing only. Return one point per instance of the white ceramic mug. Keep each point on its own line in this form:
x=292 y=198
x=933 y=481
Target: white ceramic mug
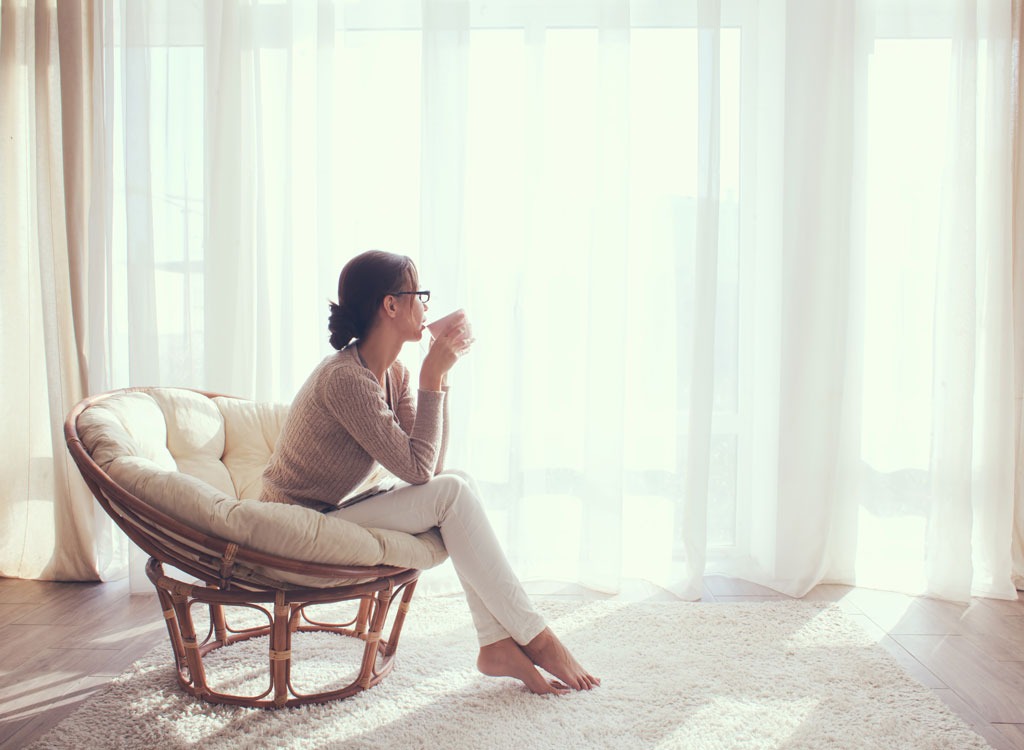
x=442 y=325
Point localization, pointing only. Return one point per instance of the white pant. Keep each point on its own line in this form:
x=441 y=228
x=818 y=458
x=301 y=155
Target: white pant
x=451 y=502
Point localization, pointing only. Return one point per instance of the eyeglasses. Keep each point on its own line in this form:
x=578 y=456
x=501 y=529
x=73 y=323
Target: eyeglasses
x=423 y=295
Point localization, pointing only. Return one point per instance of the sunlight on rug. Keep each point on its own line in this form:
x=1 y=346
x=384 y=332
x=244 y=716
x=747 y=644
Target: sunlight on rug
x=675 y=675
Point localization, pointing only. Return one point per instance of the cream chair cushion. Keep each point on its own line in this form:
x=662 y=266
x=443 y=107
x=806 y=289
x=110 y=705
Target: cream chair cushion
x=200 y=461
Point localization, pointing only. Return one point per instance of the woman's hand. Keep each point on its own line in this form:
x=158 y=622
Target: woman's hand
x=444 y=352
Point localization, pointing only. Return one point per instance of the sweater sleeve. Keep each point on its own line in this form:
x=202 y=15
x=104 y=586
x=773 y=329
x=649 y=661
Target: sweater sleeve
x=405 y=404
x=445 y=421
x=406 y=412
x=359 y=406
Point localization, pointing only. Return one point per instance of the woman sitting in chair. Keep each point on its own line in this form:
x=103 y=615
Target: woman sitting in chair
x=359 y=443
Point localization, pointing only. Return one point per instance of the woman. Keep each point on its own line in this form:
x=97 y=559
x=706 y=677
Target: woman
x=358 y=443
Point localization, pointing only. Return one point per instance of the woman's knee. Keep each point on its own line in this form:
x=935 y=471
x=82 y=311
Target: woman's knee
x=464 y=476
x=455 y=493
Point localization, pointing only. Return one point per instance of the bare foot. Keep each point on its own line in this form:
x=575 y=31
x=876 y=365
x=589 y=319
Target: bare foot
x=548 y=653
x=506 y=659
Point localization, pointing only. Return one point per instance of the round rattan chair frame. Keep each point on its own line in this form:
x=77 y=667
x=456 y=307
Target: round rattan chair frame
x=226 y=578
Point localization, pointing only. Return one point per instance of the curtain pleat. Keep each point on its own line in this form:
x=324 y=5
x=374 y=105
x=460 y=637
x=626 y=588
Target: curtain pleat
x=1017 y=229
x=52 y=529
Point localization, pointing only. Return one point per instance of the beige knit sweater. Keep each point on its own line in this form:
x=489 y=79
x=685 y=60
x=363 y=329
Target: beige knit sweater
x=340 y=431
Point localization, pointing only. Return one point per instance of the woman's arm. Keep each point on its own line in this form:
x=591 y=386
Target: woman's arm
x=407 y=447
x=445 y=421
x=406 y=412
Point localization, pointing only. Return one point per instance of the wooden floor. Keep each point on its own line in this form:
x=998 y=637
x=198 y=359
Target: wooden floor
x=59 y=644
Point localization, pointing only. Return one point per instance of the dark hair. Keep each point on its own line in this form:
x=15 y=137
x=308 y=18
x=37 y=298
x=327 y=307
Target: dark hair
x=363 y=284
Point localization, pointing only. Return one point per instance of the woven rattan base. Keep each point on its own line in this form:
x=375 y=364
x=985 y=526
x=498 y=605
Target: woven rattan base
x=285 y=612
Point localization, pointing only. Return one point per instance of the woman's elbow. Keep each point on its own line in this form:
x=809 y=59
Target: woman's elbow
x=420 y=467
x=419 y=475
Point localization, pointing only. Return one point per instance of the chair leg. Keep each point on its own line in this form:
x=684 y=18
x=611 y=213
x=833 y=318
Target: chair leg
x=190 y=643
x=396 y=626
x=280 y=649
x=363 y=618
x=383 y=601
x=167 y=607
x=220 y=626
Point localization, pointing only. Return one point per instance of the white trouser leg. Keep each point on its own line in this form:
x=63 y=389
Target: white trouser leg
x=449 y=501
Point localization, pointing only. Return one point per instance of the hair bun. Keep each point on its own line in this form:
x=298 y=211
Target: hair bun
x=363 y=283
x=341 y=326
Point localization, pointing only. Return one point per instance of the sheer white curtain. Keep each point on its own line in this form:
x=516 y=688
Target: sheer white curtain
x=741 y=273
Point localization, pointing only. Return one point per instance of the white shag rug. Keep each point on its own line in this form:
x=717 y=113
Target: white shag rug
x=674 y=675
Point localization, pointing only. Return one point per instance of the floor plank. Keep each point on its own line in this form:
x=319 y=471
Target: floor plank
x=998 y=636
x=885 y=608
x=1007 y=607
x=836 y=594
x=11 y=612
x=910 y=665
x=994 y=689
x=722 y=586
x=19 y=644
x=930 y=617
x=990 y=732
x=1014 y=733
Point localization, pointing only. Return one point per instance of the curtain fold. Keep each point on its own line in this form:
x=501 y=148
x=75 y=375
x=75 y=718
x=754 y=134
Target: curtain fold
x=702 y=309
x=745 y=277
x=816 y=260
x=972 y=463
x=1017 y=276
x=235 y=194
x=602 y=463
x=50 y=525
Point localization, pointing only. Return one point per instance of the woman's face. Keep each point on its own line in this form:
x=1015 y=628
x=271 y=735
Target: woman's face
x=411 y=310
